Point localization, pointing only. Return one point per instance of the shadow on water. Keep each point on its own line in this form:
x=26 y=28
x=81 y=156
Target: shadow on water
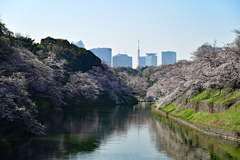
x=86 y=132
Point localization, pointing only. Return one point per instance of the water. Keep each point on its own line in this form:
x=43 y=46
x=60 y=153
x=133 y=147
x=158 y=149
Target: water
x=118 y=132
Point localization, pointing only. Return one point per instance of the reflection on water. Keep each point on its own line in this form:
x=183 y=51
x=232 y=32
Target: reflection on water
x=181 y=142
x=120 y=132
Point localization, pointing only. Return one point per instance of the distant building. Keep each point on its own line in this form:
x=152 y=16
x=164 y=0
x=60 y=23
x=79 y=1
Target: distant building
x=214 y=48
x=142 y=61
x=151 y=59
x=122 y=60
x=168 y=57
x=182 y=60
x=105 y=54
x=79 y=44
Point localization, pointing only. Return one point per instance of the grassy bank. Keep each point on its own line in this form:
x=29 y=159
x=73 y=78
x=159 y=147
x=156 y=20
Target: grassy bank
x=217 y=96
x=229 y=119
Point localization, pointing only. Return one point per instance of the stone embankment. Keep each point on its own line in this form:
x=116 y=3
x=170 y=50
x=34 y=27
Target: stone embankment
x=217 y=132
x=203 y=106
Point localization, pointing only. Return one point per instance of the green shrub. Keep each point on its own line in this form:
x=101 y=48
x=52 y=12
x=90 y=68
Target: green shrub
x=4 y=41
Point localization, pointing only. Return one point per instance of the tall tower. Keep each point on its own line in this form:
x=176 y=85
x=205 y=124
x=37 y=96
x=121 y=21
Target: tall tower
x=138 y=53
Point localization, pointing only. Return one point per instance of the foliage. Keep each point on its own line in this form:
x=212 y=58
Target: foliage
x=138 y=81
x=154 y=105
x=135 y=84
x=25 y=42
x=15 y=106
x=5 y=38
x=79 y=59
x=128 y=70
x=81 y=84
x=148 y=71
x=37 y=76
x=4 y=31
x=225 y=95
x=212 y=67
x=228 y=119
x=110 y=84
x=25 y=79
x=4 y=41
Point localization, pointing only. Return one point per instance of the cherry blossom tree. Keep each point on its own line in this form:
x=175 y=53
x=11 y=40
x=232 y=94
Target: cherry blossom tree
x=109 y=84
x=15 y=105
x=212 y=67
x=137 y=85
x=81 y=84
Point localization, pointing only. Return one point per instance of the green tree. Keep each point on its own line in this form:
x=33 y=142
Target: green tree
x=79 y=59
x=26 y=42
x=5 y=38
x=4 y=41
x=4 y=30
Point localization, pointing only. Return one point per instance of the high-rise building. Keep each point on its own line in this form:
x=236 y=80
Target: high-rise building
x=151 y=59
x=142 y=62
x=168 y=57
x=105 y=54
x=122 y=60
x=79 y=44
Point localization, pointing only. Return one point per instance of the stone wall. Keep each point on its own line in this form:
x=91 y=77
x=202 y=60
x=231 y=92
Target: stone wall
x=203 y=106
x=218 y=132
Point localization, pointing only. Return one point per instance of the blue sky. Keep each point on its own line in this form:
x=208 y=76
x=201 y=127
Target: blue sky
x=161 y=25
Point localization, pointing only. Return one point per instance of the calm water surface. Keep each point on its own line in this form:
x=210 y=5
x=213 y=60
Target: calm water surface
x=121 y=133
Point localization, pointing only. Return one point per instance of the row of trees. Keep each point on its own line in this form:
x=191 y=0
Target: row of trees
x=211 y=67
x=49 y=74
x=137 y=85
x=137 y=80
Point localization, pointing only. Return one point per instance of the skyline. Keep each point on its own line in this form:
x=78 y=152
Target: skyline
x=159 y=25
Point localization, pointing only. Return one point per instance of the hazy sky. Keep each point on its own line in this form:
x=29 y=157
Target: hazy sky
x=161 y=25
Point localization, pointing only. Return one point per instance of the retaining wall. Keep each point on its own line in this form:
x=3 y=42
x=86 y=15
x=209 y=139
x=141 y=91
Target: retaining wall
x=218 y=132
x=203 y=106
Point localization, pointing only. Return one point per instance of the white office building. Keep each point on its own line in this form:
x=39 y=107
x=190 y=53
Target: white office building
x=105 y=54
x=122 y=60
x=151 y=59
x=168 y=57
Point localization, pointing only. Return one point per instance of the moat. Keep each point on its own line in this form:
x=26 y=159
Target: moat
x=118 y=132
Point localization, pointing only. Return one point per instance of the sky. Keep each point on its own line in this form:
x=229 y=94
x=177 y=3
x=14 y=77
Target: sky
x=160 y=25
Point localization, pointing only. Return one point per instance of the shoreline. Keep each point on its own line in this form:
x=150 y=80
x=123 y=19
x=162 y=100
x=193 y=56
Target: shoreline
x=212 y=131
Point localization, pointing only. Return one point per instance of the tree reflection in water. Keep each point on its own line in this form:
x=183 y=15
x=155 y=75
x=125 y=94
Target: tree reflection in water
x=134 y=131
x=181 y=142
